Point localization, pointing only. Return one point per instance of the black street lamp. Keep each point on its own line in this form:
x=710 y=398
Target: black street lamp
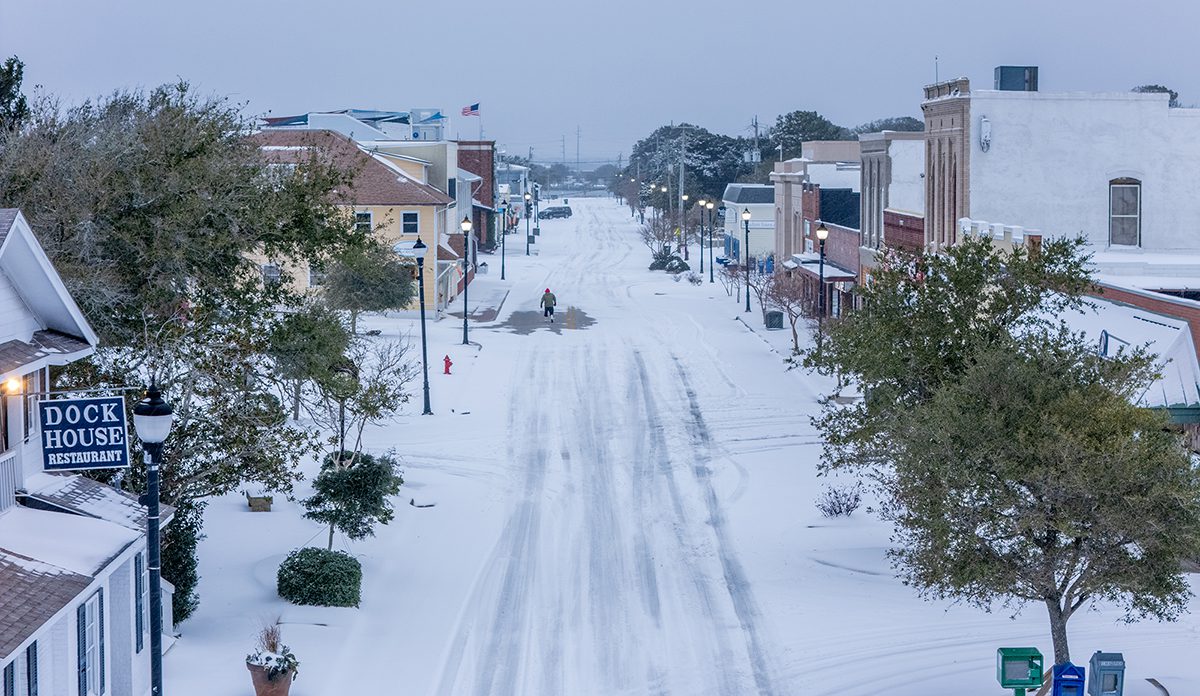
x=702 y=203
x=466 y=230
x=417 y=251
x=822 y=235
x=711 y=232
x=152 y=420
x=746 y=254
x=528 y=214
x=503 y=233
x=712 y=226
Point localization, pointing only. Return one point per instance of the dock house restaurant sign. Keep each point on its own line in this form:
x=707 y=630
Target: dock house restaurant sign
x=84 y=434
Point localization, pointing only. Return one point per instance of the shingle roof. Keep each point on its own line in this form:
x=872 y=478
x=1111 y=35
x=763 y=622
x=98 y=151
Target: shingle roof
x=83 y=496
x=375 y=183
x=7 y=217
x=33 y=593
x=15 y=354
x=749 y=193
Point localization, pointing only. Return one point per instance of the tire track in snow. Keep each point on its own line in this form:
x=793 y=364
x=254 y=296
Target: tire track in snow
x=735 y=577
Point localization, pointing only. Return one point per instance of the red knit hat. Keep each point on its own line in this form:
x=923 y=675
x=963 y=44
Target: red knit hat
x=547 y=289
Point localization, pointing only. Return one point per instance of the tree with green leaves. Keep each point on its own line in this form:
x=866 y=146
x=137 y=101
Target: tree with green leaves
x=1008 y=454
x=14 y=109
x=150 y=205
x=368 y=278
x=797 y=127
x=1159 y=89
x=893 y=123
x=303 y=345
x=1033 y=478
x=710 y=162
x=351 y=494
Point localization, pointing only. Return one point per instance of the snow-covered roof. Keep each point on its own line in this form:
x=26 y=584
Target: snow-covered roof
x=83 y=496
x=811 y=262
x=78 y=544
x=1113 y=327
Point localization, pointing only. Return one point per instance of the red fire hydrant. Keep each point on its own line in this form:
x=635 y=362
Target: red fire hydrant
x=448 y=364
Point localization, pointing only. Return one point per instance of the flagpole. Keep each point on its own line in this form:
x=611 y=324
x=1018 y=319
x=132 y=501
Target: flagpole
x=480 y=114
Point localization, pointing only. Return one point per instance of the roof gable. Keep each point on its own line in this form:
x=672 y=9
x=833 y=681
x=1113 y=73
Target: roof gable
x=35 y=280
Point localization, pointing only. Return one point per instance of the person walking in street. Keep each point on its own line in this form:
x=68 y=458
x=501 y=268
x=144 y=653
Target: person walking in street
x=548 y=302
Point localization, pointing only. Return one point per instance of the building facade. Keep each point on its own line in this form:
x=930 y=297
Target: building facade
x=893 y=187
x=74 y=613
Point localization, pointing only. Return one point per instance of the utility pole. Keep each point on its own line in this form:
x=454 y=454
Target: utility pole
x=564 y=150
x=578 y=136
x=682 y=211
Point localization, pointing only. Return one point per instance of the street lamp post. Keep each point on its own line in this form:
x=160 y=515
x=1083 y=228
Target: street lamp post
x=503 y=233
x=152 y=420
x=746 y=254
x=528 y=214
x=822 y=235
x=683 y=225
x=702 y=203
x=417 y=251
x=712 y=228
x=466 y=230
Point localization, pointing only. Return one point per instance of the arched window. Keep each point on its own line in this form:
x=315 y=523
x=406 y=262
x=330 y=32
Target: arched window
x=1124 y=212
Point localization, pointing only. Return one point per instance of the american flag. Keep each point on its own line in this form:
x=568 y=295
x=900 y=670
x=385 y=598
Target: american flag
x=472 y=110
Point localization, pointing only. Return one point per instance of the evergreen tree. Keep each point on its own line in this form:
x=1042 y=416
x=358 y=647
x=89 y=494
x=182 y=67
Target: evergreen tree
x=368 y=278
x=797 y=127
x=1160 y=89
x=1006 y=452
x=303 y=345
x=894 y=123
x=13 y=107
x=351 y=494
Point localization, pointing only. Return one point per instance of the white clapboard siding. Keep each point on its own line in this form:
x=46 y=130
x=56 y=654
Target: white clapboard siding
x=17 y=321
x=10 y=480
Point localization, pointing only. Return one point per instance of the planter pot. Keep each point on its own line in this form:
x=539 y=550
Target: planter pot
x=266 y=687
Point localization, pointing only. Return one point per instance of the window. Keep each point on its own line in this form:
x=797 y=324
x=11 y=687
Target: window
x=31 y=670
x=139 y=601
x=10 y=679
x=410 y=223
x=90 y=643
x=452 y=188
x=31 y=384
x=271 y=273
x=362 y=222
x=1124 y=212
x=315 y=278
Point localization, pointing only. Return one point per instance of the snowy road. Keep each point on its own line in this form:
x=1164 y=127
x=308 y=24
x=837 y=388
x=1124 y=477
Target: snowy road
x=623 y=505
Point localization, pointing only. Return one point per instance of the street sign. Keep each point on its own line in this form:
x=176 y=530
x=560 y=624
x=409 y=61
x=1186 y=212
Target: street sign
x=84 y=434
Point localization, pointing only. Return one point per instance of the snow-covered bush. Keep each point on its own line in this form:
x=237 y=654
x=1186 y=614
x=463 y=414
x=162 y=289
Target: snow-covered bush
x=320 y=577
x=272 y=655
x=839 y=501
x=694 y=278
x=677 y=265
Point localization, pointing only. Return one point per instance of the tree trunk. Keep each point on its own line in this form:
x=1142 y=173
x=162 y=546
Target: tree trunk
x=795 y=338
x=353 y=323
x=330 y=546
x=298 y=385
x=1058 y=631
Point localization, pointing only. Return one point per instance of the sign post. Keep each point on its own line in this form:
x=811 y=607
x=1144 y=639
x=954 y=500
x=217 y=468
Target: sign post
x=79 y=434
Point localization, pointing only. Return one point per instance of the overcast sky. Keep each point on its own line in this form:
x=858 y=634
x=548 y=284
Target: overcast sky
x=615 y=69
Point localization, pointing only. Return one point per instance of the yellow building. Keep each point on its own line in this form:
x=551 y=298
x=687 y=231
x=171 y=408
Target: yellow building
x=390 y=196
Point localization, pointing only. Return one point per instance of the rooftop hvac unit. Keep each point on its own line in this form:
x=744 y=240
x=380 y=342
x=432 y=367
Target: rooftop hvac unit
x=1017 y=78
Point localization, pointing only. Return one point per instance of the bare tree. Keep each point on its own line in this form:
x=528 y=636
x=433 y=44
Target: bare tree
x=794 y=298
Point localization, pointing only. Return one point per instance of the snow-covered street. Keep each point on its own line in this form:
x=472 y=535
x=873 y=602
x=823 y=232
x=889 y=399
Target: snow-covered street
x=622 y=503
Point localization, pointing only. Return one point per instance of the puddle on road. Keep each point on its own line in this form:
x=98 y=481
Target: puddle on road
x=526 y=322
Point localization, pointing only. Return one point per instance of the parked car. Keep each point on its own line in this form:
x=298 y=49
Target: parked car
x=558 y=211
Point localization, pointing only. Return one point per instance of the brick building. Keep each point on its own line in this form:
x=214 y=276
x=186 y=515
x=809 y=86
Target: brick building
x=479 y=158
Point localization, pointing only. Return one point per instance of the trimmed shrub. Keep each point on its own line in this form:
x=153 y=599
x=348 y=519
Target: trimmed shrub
x=320 y=577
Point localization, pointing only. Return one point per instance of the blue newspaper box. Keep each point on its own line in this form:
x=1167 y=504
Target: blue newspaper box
x=1106 y=674
x=1068 y=680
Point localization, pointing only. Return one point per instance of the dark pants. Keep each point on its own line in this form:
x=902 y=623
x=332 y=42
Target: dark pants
x=549 y=312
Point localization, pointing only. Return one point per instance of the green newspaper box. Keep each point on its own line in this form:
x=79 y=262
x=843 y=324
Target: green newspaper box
x=1019 y=669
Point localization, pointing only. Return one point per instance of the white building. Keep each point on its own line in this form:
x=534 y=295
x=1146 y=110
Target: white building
x=74 y=614
x=1119 y=168
x=759 y=199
